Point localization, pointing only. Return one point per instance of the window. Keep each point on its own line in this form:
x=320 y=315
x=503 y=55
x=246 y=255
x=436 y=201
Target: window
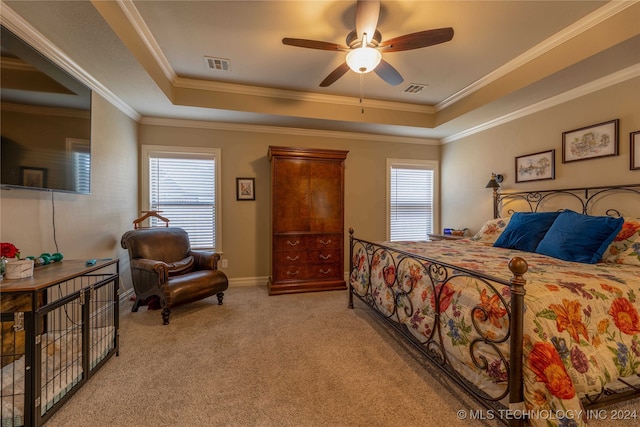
x=184 y=185
x=411 y=199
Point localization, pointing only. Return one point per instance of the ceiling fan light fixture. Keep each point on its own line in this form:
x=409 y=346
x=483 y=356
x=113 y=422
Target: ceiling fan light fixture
x=363 y=59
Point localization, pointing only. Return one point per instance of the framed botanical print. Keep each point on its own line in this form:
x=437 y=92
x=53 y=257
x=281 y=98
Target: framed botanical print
x=245 y=189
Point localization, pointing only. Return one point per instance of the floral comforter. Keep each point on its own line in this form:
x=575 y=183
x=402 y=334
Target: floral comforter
x=581 y=321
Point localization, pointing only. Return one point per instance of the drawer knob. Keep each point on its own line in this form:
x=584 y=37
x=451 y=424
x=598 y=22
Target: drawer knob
x=325 y=242
x=293 y=259
x=290 y=243
x=325 y=257
x=325 y=272
x=292 y=273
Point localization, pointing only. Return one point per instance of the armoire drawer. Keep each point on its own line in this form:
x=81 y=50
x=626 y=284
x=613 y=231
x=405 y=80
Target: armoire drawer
x=292 y=257
x=325 y=256
x=307 y=272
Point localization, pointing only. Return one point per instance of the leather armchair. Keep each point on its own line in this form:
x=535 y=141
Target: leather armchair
x=163 y=264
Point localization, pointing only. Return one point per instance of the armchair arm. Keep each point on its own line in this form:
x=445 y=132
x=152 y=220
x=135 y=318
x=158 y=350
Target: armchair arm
x=148 y=275
x=205 y=260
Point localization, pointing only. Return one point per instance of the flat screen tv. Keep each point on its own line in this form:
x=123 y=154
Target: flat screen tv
x=45 y=122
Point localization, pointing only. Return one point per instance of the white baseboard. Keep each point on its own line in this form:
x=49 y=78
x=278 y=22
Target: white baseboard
x=248 y=281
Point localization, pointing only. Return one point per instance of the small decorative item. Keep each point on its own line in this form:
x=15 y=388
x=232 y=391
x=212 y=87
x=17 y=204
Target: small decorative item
x=34 y=177
x=599 y=140
x=635 y=149
x=18 y=268
x=536 y=167
x=245 y=189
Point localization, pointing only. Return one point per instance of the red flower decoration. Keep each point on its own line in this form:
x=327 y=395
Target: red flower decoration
x=8 y=250
x=545 y=362
x=625 y=316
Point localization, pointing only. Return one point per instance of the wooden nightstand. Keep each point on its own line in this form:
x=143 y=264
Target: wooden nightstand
x=444 y=237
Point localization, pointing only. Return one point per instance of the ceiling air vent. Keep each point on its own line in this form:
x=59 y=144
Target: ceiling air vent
x=414 y=88
x=217 y=64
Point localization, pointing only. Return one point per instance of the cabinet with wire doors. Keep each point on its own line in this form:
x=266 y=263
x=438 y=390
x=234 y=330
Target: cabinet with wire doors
x=58 y=328
x=307 y=201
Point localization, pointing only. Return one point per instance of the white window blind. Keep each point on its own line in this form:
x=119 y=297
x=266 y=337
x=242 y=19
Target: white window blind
x=411 y=200
x=183 y=186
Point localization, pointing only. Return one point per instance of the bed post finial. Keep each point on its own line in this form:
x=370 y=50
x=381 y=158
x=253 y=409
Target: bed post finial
x=518 y=267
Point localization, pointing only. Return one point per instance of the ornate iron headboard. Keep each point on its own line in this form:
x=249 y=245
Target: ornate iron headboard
x=586 y=200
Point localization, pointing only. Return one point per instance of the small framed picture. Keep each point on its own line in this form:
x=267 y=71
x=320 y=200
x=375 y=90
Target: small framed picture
x=245 y=189
x=635 y=149
x=589 y=142
x=536 y=166
x=34 y=177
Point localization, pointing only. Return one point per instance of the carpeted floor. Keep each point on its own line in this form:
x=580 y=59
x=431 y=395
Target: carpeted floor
x=290 y=360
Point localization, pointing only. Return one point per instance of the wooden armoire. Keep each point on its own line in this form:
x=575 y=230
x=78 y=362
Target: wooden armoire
x=307 y=212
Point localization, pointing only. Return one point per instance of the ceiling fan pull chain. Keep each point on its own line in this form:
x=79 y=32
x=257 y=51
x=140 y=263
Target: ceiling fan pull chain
x=361 y=92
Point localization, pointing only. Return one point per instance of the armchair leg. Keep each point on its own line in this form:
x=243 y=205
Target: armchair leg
x=165 y=315
x=220 y=295
x=136 y=305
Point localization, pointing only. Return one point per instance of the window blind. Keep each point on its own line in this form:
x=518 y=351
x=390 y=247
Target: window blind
x=411 y=202
x=183 y=188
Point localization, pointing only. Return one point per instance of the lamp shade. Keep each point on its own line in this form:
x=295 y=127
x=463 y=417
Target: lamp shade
x=495 y=181
x=492 y=183
x=363 y=59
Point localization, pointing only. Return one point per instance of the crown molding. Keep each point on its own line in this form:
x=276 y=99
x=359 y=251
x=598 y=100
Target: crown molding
x=578 y=27
x=17 y=25
x=188 y=83
x=602 y=83
x=145 y=34
x=240 y=127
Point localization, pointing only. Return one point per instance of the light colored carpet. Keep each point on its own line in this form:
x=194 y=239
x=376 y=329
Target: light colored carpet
x=258 y=360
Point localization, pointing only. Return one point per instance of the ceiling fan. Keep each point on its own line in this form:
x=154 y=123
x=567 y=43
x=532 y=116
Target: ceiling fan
x=365 y=46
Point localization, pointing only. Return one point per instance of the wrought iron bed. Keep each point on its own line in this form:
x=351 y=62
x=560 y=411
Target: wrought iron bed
x=507 y=347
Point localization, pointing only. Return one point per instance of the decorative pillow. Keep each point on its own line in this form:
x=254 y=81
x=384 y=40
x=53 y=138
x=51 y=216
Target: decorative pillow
x=491 y=230
x=526 y=230
x=625 y=248
x=579 y=238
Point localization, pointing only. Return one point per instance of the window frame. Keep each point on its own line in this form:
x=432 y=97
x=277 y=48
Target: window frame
x=145 y=199
x=433 y=165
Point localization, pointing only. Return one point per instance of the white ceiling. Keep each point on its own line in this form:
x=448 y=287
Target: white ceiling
x=505 y=57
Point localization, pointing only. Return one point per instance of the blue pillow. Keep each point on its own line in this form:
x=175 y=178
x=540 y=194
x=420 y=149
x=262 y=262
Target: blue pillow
x=579 y=238
x=525 y=230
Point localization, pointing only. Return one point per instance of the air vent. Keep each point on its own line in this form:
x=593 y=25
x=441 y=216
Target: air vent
x=217 y=64
x=414 y=88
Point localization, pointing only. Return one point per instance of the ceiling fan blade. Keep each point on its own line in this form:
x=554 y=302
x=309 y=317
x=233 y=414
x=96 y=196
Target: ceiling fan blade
x=367 y=13
x=386 y=72
x=335 y=75
x=313 y=44
x=417 y=40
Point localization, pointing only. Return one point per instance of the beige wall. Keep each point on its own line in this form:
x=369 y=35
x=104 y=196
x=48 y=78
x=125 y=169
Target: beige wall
x=86 y=226
x=246 y=240
x=467 y=163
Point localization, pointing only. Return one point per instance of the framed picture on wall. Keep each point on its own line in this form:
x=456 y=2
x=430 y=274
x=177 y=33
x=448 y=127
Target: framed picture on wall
x=635 y=149
x=589 y=142
x=245 y=189
x=536 y=166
